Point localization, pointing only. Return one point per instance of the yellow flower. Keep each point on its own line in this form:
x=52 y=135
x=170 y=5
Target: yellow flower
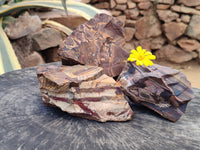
x=141 y=56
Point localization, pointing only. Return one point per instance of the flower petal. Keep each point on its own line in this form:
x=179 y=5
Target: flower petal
x=139 y=49
x=134 y=52
x=147 y=62
x=151 y=57
x=147 y=53
x=139 y=63
x=133 y=56
x=131 y=59
x=141 y=56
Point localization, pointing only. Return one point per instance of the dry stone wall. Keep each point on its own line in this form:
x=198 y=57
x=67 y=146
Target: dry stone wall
x=168 y=28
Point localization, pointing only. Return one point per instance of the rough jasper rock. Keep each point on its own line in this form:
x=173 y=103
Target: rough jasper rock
x=97 y=42
x=162 y=89
x=83 y=91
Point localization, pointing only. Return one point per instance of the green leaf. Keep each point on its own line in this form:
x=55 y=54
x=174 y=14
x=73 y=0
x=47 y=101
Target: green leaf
x=2 y=2
x=64 y=5
x=57 y=26
x=8 y=59
x=16 y=1
x=79 y=8
x=7 y=20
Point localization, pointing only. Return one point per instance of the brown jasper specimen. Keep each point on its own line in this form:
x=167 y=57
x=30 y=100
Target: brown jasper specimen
x=98 y=42
x=83 y=91
x=162 y=89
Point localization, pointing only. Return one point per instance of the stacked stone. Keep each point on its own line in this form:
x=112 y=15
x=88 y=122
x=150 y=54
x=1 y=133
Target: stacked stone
x=181 y=27
x=35 y=44
x=170 y=28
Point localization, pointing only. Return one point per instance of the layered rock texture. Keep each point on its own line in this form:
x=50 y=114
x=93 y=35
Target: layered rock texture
x=97 y=42
x=92 y=55
x=164 y=90
x=83 y=91
x=154 y=24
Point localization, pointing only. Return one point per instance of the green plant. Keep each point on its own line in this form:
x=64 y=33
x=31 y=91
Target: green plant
x=8 y=59
x=57 y=26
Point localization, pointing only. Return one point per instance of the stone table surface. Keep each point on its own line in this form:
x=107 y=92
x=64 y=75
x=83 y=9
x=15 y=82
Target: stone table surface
x=26 y=123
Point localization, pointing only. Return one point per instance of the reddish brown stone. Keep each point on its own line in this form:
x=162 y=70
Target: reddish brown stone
x=174 y=54
x=185 y=18
x=132 y=13
x=148 y=26
x=148 y=12
x=174 y=42
x=158 y=42
x=162 y=6
x=83 y=91
x=46 y=38
x=144 y=5
x=164 y=90
x=34 y=59
x=129 y=33
x=131 y=4
x=71 y=21
x=25 y=53
x=145 y=43
x=130 y=23
x=122 y=18
x=178 y=20
x=112 y=4
x=135 y=42
x=121 y=7
x=174 y=30
x=115 y=13
x=121 y=1
x=167 y=15
x=103 y=5
x=185 y=10
x=98 y=42
x=129 y=46
x=171 y=2
x=198 y=7
x=23 y=47
x=138 y=1
x=189 y=44
x=189 y=3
